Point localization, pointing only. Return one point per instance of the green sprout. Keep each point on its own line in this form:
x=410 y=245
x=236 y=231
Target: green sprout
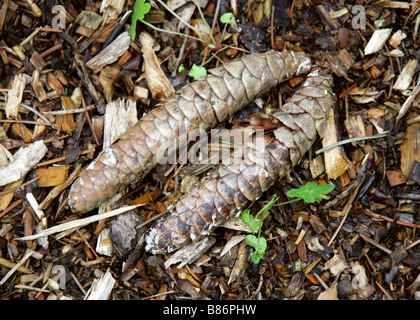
x=310 y=193
x=228 y=18
x=141 y=8
x=197 y=72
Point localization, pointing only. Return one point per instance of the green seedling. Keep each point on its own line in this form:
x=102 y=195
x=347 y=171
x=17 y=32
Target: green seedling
x=310 y=193
x=197 y=72
x=228 y=18
x=141 y=8
x=181 y=68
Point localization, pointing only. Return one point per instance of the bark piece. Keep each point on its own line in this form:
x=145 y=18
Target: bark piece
x=23 y=161
x=335 y=159
x=410 y=148
x=406 y=76
x=158 y=83
x=377 y=40
x=111 y=53
x=14 y=96
x=396 y=38
x=101 y=288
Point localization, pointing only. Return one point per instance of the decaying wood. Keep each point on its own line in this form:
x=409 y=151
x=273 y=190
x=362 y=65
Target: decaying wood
x=335 y=159
x=410 y=149
x=377 y=41
x=396 y=38
x=15 y=95
x=204 y=104
x=77 y=223
x=406 y=76
x=225 y=191
x=158 y=83
x=190 y=253
x=111 y=53
x=23 y=161
x=101 y=288
x=111 y=9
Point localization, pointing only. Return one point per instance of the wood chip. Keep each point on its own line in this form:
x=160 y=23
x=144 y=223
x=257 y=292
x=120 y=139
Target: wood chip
x=337 y=264
x=191 y=252
x=111 y=53
x=410 y=148
x=158 y=83
x=111 y=9
x=241 y=263
x=101 y=288
x=395 y=177
x=23 y=161
x=396 y=38
x=14 y=96
x=377 y=40
x=335 y=159
x=52 y=176
x=406 y=76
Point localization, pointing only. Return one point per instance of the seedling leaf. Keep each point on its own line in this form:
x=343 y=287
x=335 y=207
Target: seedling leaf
x=181 y=68
x=259 y=244
x=139 y=11
x=253 y=224
x=228 y=17
x=311 y=192
x=197 y=72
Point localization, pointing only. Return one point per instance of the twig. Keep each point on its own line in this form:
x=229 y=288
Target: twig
x=413 y=244
x=346 y=211
x=342 y=142
x=158 y=295
x=34 y=111
x=28 y=122
x=29 y=253
x=78 y=283
x=43 y=55
x=359 y=177
x=48 y=162
x=78 y=223
x=71 y=111
x=11 y=207
x=402 y=223
x=216 y=14
x=178 y=17
x=88 y=119
x=379 y=246
x=384 y=290
x=18 y=187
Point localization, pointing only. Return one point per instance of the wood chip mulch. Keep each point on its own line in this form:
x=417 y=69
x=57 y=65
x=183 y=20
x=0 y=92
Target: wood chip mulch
x=359 y=243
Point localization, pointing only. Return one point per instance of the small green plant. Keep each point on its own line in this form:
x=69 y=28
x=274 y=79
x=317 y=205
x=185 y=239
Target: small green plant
x=197 y=72
x=141 y=8
x=181 y=68
x=310 y=193
x=228 y=18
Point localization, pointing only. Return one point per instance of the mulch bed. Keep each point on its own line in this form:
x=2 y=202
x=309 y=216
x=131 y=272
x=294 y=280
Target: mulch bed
x=359 y=243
